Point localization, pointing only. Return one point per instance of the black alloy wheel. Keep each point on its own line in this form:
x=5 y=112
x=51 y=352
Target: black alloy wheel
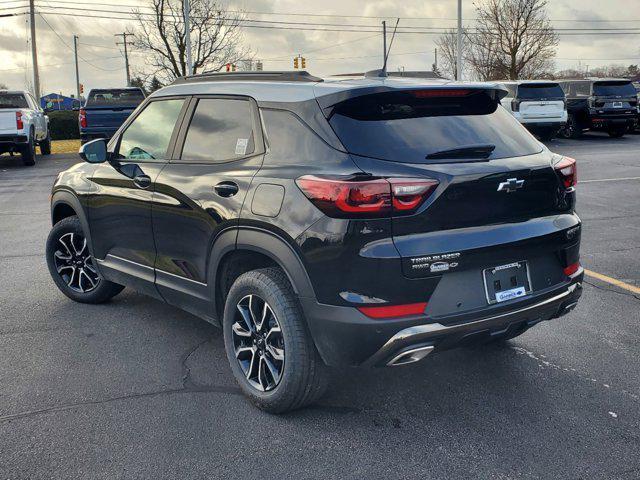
x=74 y=263
x=258 y=343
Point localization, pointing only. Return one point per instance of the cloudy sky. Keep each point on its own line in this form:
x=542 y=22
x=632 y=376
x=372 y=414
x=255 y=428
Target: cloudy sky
x=102 y=63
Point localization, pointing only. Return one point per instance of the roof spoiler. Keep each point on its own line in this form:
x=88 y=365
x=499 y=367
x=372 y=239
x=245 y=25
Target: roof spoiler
x=495 y=91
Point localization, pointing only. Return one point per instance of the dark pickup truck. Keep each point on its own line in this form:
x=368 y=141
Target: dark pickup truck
x=105 y=110
x=610 y=105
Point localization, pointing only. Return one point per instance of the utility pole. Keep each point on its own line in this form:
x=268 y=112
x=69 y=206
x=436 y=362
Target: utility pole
x=187 y=37
x=435 y=59
x=34 y=53
x=126 y=54
x=459 y=52
x=384 y=48
x=75 y=53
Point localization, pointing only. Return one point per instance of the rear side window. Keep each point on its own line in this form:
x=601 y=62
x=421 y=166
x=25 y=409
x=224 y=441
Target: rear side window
x=408 y=126
x=148 y=136
x=537 y=91
x=115 y=98
x=13 y=100
x=623 y=89
x=220 y=130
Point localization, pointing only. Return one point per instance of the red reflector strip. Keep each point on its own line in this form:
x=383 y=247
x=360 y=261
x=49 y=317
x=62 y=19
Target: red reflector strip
x=391 y=311
x=571 y=269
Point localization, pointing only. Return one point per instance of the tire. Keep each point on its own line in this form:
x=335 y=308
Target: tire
x=571 y=129
x=300 y=377
x=71 y=264
x=29 y=152
x=616 y=132
x=45 y=145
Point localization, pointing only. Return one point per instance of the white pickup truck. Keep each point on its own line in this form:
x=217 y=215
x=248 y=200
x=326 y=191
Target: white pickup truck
x=539 y=105
x=23 y=125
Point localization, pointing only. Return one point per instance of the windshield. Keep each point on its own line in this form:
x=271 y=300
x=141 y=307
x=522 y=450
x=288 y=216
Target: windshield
x=411 y=125
x=13 y=100
x=114 y=97
x=540 y=91
x=622 y=89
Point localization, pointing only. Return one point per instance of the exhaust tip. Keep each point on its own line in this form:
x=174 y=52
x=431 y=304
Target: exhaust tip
x=410 y=356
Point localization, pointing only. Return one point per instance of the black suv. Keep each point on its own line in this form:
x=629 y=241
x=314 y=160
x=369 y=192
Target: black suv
x=606 y=104
x=365 y=221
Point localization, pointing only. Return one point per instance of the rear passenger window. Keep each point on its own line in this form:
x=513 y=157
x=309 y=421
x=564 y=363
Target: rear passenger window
x=220 y=130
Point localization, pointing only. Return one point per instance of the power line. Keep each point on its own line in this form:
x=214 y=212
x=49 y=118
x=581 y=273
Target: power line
x=71 y=48
x=314 y=26
x=613 y=31
x=330 y=15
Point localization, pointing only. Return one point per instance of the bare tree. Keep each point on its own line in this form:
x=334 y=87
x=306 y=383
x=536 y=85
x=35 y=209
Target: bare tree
x=513 y=38
x=3 y=86
x=216 y=37
x=447 y=44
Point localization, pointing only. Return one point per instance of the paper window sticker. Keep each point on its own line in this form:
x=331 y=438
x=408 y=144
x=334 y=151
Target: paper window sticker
x=241 y=146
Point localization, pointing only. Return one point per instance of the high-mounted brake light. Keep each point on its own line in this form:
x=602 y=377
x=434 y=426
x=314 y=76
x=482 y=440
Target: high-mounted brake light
x=394 y=311
x=340 y=197
x=441 y=92
x=567 y=170
x=82 y=117
x=19 y=122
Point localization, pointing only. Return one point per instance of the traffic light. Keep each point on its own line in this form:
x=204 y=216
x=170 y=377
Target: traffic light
x=81 y=88
x=295 y=63
x=303 y=61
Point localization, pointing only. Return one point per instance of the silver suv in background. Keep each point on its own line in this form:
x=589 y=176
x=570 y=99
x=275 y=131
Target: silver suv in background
x=23 y=125
x=539 y=105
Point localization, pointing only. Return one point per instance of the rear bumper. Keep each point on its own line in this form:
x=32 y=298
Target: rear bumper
x=106 y=133
x=13 y=139
x=544 y=125
x=344 y=336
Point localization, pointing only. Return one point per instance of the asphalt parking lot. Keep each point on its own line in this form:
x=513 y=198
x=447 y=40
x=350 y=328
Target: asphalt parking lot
x=137 y=389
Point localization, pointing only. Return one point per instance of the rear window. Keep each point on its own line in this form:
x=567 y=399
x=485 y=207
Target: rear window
x=13 y=100
x=623 y=89
x=407 y=126
x=115 y=97
x=540 y=91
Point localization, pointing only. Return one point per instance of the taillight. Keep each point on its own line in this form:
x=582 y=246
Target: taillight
x=394 y=311
x=82 y=118
x=19 y=122
x=571 y=269
x=567 y=170
x=355 y=197
x=515 y=105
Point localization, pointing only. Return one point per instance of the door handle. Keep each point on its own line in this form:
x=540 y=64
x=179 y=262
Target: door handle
x=142 y=181
x=226 y=189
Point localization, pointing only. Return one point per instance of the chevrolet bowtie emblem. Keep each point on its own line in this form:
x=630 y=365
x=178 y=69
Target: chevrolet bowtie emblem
x=511 y=185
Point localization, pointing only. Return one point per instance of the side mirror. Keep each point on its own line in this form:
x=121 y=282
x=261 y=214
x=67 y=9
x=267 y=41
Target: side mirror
x=94 y=151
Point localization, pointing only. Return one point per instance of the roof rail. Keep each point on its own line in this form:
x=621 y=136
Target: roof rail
x=275 y=76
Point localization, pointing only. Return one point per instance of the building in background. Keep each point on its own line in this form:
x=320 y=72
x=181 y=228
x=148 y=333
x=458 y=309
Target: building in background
x=55 y=101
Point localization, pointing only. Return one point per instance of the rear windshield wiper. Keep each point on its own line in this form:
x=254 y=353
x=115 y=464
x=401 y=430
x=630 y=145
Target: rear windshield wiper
x=482 y=150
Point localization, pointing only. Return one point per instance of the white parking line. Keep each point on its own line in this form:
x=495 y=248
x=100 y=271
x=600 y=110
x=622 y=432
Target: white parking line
x=608 y=179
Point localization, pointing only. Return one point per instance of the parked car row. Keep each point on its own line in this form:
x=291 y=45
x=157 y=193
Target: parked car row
x=572 y=107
